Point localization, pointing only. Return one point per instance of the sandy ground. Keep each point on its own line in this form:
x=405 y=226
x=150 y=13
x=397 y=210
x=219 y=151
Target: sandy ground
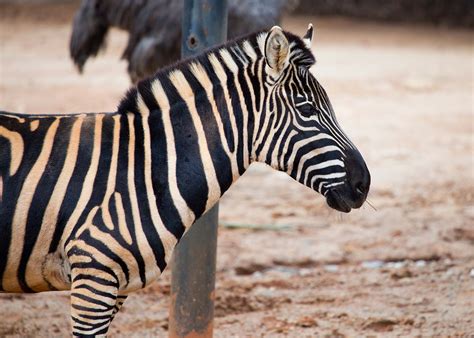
x=288 y=266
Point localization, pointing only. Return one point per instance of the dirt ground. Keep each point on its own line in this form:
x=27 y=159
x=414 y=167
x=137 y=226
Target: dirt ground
x=288 y=266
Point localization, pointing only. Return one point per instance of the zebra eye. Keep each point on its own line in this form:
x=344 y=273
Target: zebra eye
x=307 y=110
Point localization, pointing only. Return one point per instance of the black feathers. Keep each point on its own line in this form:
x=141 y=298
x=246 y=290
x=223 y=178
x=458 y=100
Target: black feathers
x=155 y=28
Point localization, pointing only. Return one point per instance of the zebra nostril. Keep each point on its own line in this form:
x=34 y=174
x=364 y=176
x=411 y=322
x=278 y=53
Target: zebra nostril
x=359 y=188
x=358 y=174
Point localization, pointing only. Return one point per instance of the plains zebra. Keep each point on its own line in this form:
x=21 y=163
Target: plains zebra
x=96 y=202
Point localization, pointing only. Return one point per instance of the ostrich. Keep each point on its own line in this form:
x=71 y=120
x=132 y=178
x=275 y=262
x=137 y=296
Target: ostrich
x=154 y=28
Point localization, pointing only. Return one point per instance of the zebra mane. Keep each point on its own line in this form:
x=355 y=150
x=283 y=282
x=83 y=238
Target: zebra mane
x=300 y=55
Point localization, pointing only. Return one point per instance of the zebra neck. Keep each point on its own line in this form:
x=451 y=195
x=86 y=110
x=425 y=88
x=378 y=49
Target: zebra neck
x=201 y=136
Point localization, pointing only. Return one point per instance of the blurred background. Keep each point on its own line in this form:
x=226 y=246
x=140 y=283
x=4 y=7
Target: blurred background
x=400 y=76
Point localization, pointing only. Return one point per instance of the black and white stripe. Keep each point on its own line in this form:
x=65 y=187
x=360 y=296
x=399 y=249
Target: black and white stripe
x=96 y=203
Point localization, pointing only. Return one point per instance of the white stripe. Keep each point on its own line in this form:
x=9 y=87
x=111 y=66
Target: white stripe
x=200 y=74
x=230 y=63
x=322 y=165
x=311 y=154
x=328 y=176
x=187 y=94
x=186 y=214
x=222 y=76
x=301 y=143
x=152 y=269
x=167 y=238
x=249 y=50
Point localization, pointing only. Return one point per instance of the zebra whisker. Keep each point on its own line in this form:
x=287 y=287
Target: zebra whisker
x=370 y=203
x=367 y=200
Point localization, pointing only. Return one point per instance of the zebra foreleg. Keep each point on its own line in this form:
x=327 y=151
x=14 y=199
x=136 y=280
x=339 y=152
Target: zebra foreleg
x=118 y=305
x=94 y=302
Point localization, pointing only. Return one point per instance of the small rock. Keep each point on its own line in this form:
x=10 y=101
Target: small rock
x=471 y=274
x=246 y=270
x=306 y=321
x=336 y=334
x=305 y=272
x=421 y=263
x=331 y=268
x=395 y=265
x=402 y=273
x=380 y=325
x=421 y=301
x=372 y=264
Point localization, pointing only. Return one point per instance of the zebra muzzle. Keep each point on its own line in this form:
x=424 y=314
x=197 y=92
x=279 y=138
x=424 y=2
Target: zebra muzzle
x=337 y=201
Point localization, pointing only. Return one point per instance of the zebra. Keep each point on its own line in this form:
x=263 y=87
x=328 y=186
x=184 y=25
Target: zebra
x=95 y=203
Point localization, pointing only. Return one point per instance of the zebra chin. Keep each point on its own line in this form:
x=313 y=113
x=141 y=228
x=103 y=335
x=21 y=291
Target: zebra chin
x=343 y=200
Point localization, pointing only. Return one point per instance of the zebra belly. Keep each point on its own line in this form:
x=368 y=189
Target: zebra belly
x=48 y=272
x=27 y=264
x=38 y=156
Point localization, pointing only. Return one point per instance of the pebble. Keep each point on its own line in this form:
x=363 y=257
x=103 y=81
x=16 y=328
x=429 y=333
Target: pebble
x=331 y=268
x=305 y=272
x=450 y=272
x=421 y=263
x=287 y=270
x=471 y=274
x=372 y=264
x=395 y=265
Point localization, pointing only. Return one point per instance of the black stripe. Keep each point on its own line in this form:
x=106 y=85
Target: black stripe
x=91 y=300
x=327 y=156
x=221 y=104
x=12 y=185
x=86 y=308
x=122 y=188
x=94 y=290
x=75 y=186
x=244 y=85
x=266 y=133
x=238 y=113
x=101 y=178
x=220 y=160
x=98 y=221
x=145 y=214
x=96 y=279
x=190 y=174
x=92 y=325
x=42 y=195
x=166 y=207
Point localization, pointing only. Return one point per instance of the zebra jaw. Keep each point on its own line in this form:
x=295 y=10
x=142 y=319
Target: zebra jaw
x=337 y=202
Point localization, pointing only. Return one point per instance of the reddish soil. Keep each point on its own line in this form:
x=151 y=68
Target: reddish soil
x=288 y=266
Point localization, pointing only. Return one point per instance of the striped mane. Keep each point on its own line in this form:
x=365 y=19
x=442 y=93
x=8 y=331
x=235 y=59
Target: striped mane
x=300 y=55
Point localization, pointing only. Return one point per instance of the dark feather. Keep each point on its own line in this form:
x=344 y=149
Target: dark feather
x=154 y=28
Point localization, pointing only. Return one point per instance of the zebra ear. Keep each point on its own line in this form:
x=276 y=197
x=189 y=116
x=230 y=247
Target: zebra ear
x=308 y=37
x=276 y=49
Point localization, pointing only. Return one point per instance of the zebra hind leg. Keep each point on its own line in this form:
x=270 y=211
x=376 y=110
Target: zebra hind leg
x=94 y=303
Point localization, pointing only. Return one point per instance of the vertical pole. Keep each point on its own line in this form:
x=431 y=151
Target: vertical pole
x=194 y=260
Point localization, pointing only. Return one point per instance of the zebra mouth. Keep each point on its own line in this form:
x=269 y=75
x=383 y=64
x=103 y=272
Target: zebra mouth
x=336 y=201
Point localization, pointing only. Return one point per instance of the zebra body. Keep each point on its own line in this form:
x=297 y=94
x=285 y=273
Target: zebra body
x=96 y=202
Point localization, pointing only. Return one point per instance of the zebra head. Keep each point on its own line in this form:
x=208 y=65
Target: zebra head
x=298 y=132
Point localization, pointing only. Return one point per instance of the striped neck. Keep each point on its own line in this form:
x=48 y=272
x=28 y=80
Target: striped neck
x=201 y=115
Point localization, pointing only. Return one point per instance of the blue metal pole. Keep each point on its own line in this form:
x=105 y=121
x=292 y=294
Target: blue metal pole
x=194 y=261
